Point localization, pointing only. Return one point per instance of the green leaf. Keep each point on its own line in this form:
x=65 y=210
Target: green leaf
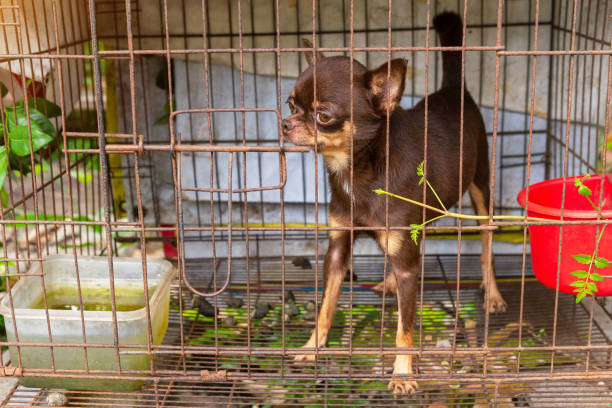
x=20 y=140
x=38 y=120
x=379 y=191
x=580 y=296
x=602 y=262
x=96 y=228
x=41 y=120
x=42 y=166
x=84 y=177
x=47 y=107
x=93 y=163
x=422 y=179
x=3 y=166
x=578 y=283
x=592 y=286
x=166 y=115
x=579 y=274
x=584 y=190
x=18 y=164
x=414 y=232
x=4 y=198
x=577 y=182
x=577 y=290
x=596 y=277
x=583 y=259
x=420 y=168
x=161 y=79
x=68 y=246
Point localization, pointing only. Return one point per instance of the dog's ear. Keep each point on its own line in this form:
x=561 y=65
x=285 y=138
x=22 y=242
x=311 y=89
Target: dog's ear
x=386 y=85
x=308 y=54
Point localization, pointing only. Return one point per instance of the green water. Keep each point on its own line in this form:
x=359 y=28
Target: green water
x=94 y=299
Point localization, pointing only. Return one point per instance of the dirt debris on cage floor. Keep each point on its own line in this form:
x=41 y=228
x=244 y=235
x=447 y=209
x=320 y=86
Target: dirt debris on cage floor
x=322 y=386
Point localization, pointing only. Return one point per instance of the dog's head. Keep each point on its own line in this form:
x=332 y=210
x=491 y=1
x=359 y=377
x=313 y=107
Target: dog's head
x=328 y=110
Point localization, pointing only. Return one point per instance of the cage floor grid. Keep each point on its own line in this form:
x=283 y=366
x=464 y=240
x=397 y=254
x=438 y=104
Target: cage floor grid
x=271 y=380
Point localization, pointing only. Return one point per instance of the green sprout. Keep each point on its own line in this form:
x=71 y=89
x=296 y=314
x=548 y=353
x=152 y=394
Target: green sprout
x=585 y=283
x=417 y=228
x=585 y=280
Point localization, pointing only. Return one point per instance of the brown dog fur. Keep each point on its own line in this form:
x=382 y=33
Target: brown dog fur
x=377 y=93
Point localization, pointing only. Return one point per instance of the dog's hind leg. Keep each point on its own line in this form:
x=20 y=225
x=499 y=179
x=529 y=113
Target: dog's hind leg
x=334 y=269
x=480 y=201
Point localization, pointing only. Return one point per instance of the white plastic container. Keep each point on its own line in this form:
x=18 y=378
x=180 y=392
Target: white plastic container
x=66 y=325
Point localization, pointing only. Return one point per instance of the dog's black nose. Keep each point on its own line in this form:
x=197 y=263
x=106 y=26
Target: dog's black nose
x=287 y=125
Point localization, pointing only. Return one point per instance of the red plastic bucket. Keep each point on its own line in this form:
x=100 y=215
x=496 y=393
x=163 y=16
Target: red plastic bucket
x=545 y=202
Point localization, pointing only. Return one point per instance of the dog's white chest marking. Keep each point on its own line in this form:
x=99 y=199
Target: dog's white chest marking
x=346 y=187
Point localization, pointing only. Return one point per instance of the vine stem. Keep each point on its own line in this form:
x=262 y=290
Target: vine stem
x=446 y=213
x=593 y=255
x=436 y=194
x=592 y=260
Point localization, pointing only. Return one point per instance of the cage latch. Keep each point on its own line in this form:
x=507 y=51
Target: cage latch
x=214 y=376
x=10 y=371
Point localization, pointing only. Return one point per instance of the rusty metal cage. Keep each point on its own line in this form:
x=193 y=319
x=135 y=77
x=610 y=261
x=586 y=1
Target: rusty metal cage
x=167 y=146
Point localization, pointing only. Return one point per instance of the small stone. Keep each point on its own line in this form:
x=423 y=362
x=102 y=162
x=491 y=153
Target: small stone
x=57 y=399
x=309 y=315
x=261 y=310
x=302 y=262
x=195 y=301
x=470 y=324
x=289 y=297
x=291 y=309
x=229 y=321
x=234 y=302
x=206 y=309
x=443 y=343
x=310 y=306
x=270 y=322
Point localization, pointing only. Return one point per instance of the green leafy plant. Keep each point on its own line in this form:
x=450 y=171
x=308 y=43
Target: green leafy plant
x=417 y=228
x=585 y=282
x=161 y=81
x=165 y=117
x=15 y=149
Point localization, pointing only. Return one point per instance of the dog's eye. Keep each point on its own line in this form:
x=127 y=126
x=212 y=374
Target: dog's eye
x=323 y=118
x=291 y=107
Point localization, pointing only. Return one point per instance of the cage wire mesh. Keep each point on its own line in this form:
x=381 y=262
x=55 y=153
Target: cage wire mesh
x=165 y=143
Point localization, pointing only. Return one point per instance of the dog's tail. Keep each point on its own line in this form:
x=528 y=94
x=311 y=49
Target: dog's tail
x=450 y=30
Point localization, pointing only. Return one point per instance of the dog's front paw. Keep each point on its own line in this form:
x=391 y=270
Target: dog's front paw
x=402 y=387
x=496 y=304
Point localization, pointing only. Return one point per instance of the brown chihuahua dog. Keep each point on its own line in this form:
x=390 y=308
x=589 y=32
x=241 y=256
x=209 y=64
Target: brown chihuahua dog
x=376 y=94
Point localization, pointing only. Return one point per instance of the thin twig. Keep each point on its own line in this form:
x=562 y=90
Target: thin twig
x=447 y=213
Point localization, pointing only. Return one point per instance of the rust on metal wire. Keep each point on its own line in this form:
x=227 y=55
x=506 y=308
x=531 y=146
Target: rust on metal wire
x=238 y=208
x=215 y=376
